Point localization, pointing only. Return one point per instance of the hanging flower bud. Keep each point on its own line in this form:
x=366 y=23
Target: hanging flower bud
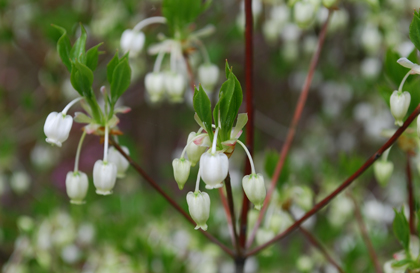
x=175 y=86
x=76 y=186
x=119 y=160
x=194 y=151
x=104 y=177
x=199 y=208
x=208 y=74
x=181 y=171
x=254 y=188
x=383 y=171
x=132 y=41
x=57 y=128
x=214 y=169
x=155 y=85
x=400 y=101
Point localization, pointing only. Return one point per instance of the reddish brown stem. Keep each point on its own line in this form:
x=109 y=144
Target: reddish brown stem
x=365 y=235
x=249 y=55
x=314 y=241
x=228 y=216
x=190 y=72
x=291 y=133
x=410 y=194
x=343 y=186
x=232 y=213
x=169 y=199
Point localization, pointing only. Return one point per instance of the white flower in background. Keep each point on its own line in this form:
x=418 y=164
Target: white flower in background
x=43 y=156
x=104 y=177
x=378 y=212
x=270 y=30
x=281 y=15
x=371 y=39
x=280 y=221
x=254 y=188
x=291 y=33
x=383 y=171
x=208 y=74
x=370 y=68
x=132 y=41
x=119 y=160
x=155 y=85
x=181 y=171
x=263 y=236
x=340 y=210
x=214 y=169
x=302 y=196
x=290 y=51
x=20 y=182
x=85 y=234
x=175 y=86
x=195 y=151
x=199 y=208
x=70 y=254
x=399 y=102
x=305 y=264
x=339 y=20
x=57 y=128
x=77 y=184
x=304 y=13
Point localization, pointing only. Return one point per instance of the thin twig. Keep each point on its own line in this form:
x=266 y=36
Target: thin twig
x=249 y=56
x=232 y=212
x=190 y=73
x=410 y=194
x=228 y=216
x=291 y=133
x=365 y=234
x=316 y=243
x=343 y=186
x=169 y=199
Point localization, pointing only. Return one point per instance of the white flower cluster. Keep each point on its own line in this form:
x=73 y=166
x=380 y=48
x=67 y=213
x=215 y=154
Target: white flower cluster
x=214 y=168
x=173 y=82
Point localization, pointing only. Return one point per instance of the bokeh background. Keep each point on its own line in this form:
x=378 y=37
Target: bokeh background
x=134 y=229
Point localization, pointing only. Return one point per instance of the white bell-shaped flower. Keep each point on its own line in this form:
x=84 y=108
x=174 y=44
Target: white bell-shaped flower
x=132 y=41
x=388 y=268
x=383 y=171
x=104 y=177
x=175 y=86
x=181 y=171
x=195 y=151
x=77 y=184
x=155 y=85
x=254 y=188
x=199 y=208
x=119 y=160
x=399 y=101
x=208 y=74
x=214 y=169
x=57 y=128
x=304 y=13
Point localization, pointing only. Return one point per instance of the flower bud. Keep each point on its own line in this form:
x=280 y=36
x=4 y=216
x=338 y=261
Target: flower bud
x=194 y=151
x=254 y=188
x=155 y=85
x=214 y=169
x=175 y=86
x=399 y=106
x=199 y=208
x=119 y=160
x=57 y=128
x=304 y=13
x=76 y=186
x=104 y=177
x=181 y=171
x=208 y=74
x=20 y=182
x=383 y=171
x=132 y=41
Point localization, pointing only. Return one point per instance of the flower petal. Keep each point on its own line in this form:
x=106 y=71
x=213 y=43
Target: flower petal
x=122 y=109
x=240 y=123
x=405 y=62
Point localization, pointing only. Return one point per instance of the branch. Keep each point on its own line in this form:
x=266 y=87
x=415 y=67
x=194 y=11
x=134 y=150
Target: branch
x=365 y=235
x=168 y=198
x=410 y=194
x=343 y=186
x=249 y=48
x=228 y=216
x=232 y=212
x=291 y=133
x=190 y=73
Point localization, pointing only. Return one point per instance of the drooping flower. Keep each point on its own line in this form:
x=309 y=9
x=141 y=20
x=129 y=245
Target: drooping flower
x=77 y=186
x=208 y=74
x=400 y=102
x=175 y=86
x=57 y=128
x=383 y=171
x=119 y=160
x=194 y=151
x=214 y=169
x=181 y=171
x=104 y=177
x=254 y=188
x=199 y=208
x=132 y=41
x=155 y=85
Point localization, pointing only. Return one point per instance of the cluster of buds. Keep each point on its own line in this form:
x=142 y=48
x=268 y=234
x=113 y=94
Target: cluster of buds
x=173 y=82
x=102 y=122
x=211 y=146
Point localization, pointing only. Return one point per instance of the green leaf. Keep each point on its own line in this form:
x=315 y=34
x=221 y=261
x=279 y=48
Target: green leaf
x=79 y=46
x=401 y=229
x=111 y=67
x=415 y=30
x=401 y=263
x=120 y=80
x=202 y=107
x=81 y=78
x=227 y=69
x=64 y=47
x=92 y=57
